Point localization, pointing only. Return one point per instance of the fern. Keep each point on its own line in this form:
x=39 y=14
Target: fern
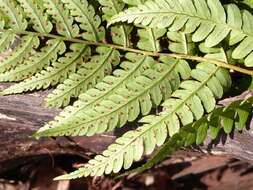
x=20 y=53
x=129 y=70
x=35 y=63
x=125 y=104
x=184 y=105
x=54 y=74
x=6 y=39
x=118 y=73
x=133 y=2
x=37 y=18
x=14 y=15
x=85 y=14
x=180 y=42
x=248 y=2
x=64 y=21
x=207 y=20
x=197 y=131
x=86 y=76
x=149 y=39
x=120 y=34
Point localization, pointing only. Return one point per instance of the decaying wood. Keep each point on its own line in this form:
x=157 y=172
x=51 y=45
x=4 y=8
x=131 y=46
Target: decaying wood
x=22 y=115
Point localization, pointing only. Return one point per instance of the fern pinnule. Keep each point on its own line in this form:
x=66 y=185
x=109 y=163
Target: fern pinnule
x=207 y=20
x=134 y=2
x=36 y=62
x=64 y=21
x=149 y=39
x=248 y=3
x=180 y=42
x=87 y=76
x=36 y=15
x=54 y=74
x=17 y=56
x=90 y=22
x=14 y=15
x=6 y=40
x=120 y=34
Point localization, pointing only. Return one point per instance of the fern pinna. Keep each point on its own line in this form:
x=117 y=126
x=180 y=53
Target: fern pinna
x=121 y=60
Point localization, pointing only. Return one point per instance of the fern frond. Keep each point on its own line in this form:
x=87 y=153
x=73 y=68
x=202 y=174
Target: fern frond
x=185 y=104
x=64 y=21
x=180 y=42
x=84 y=13
x=127 y=103
x=120 y=34
x=37 y=17
x=86 y=77
x=207 y=20
x=54 y=74
x=36 y=62
x=14 y=15
x=19 y=53
x=130 y=69
x=195 y=133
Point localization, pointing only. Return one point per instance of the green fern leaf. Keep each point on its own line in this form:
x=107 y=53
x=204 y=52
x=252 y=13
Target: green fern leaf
x=37 y=18
x=86 y=77
x=36 y=62
x=190 y=131
x=19 y=53
x=241 y=115
x=64 y=22
x=180 y=42
x=149 y=39
x=14 y=14
x=84 y=13
x=130 y=69
x=120 y=34
x=134 y=2
x=170 y=146
x=55 y=74
x=6 y=39
x=185 y=104
x=125 y=104
x=207 y=20
x=248 y=2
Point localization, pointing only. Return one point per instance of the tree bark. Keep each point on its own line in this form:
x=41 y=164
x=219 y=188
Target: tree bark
x=22 y=115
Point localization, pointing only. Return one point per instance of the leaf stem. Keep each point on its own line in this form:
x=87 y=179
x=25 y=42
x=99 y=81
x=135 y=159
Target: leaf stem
x=149 y=53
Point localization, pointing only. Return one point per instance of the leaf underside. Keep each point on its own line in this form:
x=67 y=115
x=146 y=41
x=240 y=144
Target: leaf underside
x=122 y=61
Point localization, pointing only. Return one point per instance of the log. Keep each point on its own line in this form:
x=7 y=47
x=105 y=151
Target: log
x=22 y=115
